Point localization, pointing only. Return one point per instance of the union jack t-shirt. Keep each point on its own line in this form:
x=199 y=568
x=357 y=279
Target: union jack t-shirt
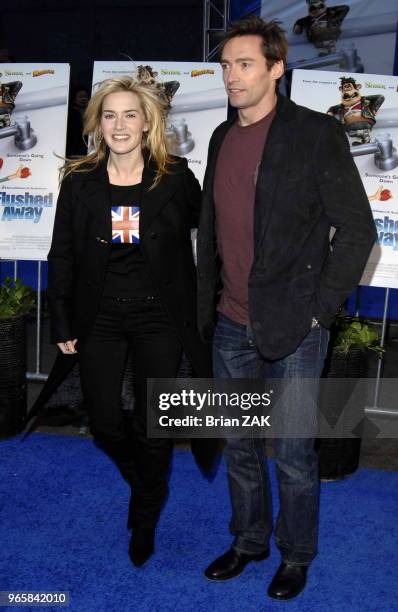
x=125 y=224
x=127 y=272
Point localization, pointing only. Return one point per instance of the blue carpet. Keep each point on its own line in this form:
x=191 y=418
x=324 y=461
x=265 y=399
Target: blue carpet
x=62 y=527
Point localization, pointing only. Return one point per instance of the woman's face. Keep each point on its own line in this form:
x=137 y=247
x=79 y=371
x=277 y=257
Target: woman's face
x=122 y=122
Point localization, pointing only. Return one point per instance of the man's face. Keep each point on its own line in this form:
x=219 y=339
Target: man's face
x=248 y=82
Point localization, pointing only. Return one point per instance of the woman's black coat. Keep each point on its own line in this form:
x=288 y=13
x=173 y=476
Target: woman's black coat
x=79 y=253
x=81 y=245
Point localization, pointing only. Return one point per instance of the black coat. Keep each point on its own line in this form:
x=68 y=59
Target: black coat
x=81 y=245
x=79 y=254
x=307 y=182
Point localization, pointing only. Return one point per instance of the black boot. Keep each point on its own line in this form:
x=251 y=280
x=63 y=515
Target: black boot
x=130 y=514
x=141 y=545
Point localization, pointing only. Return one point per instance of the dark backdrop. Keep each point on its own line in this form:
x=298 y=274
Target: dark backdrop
x=79 y=32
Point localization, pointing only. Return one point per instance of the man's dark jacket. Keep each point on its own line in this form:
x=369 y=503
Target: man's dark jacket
x=307 y=183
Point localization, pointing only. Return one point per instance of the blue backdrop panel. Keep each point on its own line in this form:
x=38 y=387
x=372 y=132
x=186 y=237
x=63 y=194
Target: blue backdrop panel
x=26 y=270
x=237 y=8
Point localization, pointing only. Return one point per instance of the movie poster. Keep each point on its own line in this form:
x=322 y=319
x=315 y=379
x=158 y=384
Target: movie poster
x=33 y=116
x=346 y=35
x=197 y=98
x=367 y=106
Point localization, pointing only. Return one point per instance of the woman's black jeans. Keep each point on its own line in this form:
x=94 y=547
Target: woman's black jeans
x=143 y=326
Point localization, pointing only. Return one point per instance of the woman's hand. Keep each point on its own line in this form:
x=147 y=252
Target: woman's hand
x=68 y=347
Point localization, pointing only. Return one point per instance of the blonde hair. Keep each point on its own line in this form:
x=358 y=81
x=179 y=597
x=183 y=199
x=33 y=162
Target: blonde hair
x=153 y=140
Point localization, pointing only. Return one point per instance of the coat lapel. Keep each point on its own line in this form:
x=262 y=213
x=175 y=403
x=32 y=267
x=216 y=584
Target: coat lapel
x=272 y=167
x=273 y=161
x=207 y=216
x=213 y=155
x=94 y=192
x=153 y=200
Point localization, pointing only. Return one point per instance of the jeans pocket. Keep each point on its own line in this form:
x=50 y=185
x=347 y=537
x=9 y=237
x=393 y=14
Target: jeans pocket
x=229 y=335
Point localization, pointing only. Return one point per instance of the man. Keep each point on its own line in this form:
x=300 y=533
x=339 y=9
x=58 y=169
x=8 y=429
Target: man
x=278 y=177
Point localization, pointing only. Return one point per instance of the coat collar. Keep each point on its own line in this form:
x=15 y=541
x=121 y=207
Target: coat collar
x=274 y=162
x=93 y=189
x=274 y=158
x=285 y=111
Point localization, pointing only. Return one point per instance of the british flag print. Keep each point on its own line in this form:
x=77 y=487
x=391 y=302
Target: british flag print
x=125 y=224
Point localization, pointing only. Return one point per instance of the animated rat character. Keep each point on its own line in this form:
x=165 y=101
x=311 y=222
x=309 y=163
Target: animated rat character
x=322 y=25
x=166 y=90
x=8 y=93
x=357 y=113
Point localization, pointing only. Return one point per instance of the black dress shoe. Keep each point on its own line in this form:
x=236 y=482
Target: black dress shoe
x=231 y=564
x=288 y=581
x=141 y=546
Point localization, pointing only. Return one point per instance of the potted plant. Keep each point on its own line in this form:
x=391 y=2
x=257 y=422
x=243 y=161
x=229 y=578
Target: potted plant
x=16 y=301
x=351 y=340
x=355 y=334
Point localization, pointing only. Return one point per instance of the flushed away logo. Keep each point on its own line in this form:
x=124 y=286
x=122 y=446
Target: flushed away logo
x=28 y=207
x=387 y=232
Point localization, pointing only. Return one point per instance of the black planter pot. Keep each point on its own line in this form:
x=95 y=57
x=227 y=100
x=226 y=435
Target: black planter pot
x=13 y=403
x=339 y=457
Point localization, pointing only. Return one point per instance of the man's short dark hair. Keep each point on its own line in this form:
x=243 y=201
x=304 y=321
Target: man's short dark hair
x=274 y=43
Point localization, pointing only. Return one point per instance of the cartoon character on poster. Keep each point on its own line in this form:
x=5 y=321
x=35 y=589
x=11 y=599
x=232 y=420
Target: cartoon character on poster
x=178 y=138
x=8 y=93
x=322 y=25
x=357 y=113
x=167 y=91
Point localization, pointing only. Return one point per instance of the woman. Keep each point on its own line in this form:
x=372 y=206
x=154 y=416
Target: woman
x=122 y=276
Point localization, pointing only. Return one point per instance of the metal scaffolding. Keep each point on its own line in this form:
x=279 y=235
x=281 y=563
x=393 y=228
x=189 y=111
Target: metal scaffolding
x=215 y=20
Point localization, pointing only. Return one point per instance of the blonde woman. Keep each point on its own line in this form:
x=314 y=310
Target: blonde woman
x=121 y=276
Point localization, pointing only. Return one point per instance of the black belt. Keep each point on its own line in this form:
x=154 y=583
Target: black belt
x=123 y=300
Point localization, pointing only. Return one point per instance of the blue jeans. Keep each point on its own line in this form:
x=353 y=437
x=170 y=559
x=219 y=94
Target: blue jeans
x=296 y=533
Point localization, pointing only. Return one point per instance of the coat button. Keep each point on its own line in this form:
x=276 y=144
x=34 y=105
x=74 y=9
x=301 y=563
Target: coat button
x=153 y=235
x=187 y=323
x=309 y=266
x=256 y=325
